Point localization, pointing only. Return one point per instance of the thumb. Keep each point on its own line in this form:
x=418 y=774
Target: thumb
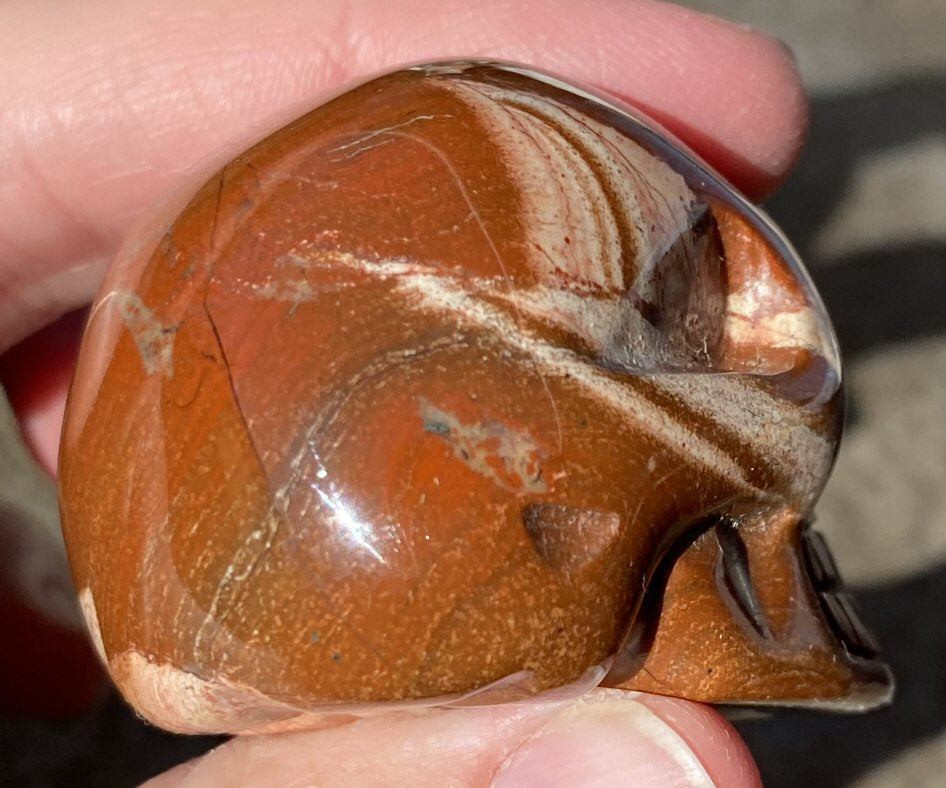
x=606 y=737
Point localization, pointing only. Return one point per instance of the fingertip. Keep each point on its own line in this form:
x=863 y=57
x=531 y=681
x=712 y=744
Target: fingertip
x=769 y=123
x=711 y=737
x=617 y=738
x=606 y=737
x=732 y=92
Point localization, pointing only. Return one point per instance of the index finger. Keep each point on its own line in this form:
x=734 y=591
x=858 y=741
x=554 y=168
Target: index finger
x=106 y=107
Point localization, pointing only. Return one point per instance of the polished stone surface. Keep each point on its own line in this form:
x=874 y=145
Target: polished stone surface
x=463 y=383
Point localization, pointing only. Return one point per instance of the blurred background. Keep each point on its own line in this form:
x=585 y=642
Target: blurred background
x=867 y=210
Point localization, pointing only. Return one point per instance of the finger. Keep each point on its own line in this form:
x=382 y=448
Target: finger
x=108 y=106
x=607 y=737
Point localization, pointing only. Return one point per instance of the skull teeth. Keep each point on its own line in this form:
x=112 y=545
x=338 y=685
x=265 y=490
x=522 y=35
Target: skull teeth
x=821 y=566
x=838 y=606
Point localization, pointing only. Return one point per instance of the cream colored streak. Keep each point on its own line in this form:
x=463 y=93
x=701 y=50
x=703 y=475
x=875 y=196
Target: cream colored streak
x=433 y=291
x=561 y=181
x=789 y=446
x=436 y=294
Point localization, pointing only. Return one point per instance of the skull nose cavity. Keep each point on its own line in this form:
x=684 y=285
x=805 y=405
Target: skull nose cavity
x=735 y=577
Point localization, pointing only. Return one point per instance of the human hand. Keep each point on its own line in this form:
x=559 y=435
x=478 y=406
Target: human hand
x=106 y=107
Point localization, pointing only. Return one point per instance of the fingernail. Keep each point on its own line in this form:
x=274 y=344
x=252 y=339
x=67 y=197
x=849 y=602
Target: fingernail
x=608 y=739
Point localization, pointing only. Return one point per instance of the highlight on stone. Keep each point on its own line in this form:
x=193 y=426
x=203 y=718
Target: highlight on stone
x=466 y=386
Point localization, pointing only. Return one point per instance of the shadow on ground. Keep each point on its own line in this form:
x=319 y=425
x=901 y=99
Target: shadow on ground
x=109 y=747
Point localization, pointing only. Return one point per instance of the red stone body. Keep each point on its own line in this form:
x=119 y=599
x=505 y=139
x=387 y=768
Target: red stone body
x=440 y=388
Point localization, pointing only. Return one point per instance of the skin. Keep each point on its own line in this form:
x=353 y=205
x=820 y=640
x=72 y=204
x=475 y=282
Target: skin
x=105 y=107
